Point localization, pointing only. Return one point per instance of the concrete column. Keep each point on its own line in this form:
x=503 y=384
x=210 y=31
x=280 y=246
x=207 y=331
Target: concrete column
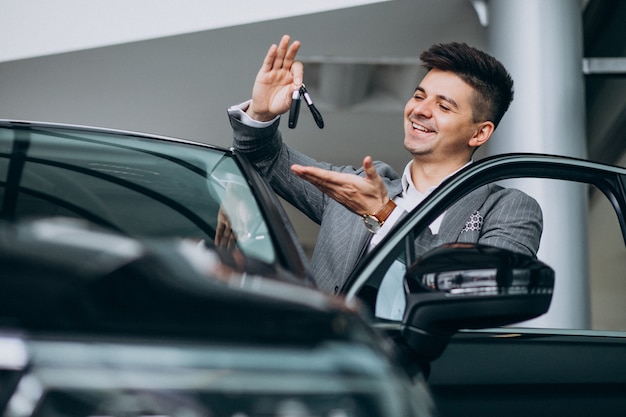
x=540 y=42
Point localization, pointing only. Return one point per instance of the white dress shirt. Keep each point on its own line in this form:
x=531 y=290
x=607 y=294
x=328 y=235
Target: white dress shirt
x=406 y=201
x=390 y=301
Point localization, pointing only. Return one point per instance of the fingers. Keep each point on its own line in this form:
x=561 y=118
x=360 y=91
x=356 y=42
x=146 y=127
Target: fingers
x=358 y=194
x=275 y=82
x=291 y=52
x=268 y=62
x=281 y=51
x=318 y=176
x=334 y=184
x=226 y=240
x=276 y=54
x=297 y=71
x=225 y=237
x=283 y=55
x=370 y=170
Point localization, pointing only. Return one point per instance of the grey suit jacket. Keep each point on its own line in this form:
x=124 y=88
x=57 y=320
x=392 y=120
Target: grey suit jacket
x=491 y=215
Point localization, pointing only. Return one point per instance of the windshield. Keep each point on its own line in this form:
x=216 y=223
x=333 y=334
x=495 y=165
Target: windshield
x=136 y=185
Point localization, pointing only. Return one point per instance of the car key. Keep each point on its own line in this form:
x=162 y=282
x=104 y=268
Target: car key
x=294 y=110
x=317 y=116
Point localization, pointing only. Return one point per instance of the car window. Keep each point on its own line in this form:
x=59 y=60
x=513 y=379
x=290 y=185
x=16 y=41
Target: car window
x=135 y=185
x=607 y=263
x=582 y=240
x=239 y=205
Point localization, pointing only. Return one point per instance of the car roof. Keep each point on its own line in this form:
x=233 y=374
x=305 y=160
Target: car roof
x=14 y=123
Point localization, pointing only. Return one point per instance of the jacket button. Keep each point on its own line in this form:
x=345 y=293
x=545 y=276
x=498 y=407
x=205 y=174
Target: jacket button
x=336 y=289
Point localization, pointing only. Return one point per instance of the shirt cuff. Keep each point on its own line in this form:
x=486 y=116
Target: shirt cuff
x=238 y=111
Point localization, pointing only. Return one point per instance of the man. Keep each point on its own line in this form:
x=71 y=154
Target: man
x=453 y=111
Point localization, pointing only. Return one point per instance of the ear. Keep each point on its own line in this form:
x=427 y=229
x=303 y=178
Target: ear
x=482 y=134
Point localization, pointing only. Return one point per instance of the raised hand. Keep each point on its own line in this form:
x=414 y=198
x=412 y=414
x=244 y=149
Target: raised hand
x=360 y=195
x=279 y=76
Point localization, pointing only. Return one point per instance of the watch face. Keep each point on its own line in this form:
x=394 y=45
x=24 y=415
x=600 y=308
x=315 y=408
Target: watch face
x=372 y=223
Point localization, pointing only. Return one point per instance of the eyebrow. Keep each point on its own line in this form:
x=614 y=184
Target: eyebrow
x=440 y=97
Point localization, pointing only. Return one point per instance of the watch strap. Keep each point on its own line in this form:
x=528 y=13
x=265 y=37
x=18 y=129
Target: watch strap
x=374 y=222
x=385 y=211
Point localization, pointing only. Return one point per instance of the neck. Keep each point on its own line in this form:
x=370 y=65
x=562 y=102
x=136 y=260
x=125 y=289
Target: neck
x=426 y=174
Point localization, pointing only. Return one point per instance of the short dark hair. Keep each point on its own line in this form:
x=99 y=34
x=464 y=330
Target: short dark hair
x=481 y=71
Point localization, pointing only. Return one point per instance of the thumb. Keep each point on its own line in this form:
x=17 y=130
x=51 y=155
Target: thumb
x=368 y=167
x=297 y=71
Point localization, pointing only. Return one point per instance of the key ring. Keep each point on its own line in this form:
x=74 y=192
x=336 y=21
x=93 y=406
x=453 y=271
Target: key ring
x=294 y=110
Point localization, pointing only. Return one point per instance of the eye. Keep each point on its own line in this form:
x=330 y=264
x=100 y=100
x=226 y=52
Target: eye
x=444 y=107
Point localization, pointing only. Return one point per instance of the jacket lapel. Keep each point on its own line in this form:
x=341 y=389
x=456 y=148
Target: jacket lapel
x=456 y=216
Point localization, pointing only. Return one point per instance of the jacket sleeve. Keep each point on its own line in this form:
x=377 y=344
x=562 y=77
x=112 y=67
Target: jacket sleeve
x=514 y=221
x=266 y=150
x=492 y=215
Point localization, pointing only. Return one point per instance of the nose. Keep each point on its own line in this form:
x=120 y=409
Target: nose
x=423 y=108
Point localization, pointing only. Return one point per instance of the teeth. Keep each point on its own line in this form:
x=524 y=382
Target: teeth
x=421 y=128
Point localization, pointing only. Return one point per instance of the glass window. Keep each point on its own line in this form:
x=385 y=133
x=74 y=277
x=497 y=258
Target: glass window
x=135 y=185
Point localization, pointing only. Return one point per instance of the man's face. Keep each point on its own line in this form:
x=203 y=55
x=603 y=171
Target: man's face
x=438 y=120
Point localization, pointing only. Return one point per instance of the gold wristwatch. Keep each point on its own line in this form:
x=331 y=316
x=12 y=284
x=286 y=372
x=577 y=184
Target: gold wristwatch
x=374 y=222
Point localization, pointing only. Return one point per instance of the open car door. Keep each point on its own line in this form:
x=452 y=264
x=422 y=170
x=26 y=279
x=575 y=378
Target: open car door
x=466 y=286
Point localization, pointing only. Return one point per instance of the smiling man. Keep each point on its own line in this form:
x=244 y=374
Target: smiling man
x=453 y=111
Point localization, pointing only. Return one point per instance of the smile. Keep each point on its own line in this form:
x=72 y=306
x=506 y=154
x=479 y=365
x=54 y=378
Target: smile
x=421 y=128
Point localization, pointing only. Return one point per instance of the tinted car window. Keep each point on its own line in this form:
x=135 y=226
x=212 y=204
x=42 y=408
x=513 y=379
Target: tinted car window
x=135 y=185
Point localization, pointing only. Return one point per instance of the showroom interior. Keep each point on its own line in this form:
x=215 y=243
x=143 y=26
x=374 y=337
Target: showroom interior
x=174 y=72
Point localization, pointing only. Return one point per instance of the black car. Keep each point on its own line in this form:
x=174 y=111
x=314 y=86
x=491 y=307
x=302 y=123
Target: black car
x=147 y=275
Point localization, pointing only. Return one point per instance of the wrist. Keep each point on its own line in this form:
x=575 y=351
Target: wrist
x=375 y=221
x=259 y=116
x=382 y=207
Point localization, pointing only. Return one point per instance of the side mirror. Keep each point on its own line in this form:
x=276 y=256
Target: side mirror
x=467 y=286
